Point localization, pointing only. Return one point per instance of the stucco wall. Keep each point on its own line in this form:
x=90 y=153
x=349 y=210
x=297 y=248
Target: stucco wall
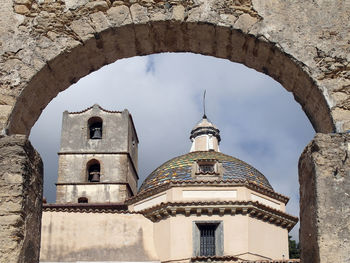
x=267 y=239
x=96 y=237
x=246 y=237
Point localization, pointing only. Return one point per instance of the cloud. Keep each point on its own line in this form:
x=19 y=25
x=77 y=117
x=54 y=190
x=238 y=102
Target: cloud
x=260 y=122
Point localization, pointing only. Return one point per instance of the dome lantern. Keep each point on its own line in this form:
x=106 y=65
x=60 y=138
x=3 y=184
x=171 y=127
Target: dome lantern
x=205 y=136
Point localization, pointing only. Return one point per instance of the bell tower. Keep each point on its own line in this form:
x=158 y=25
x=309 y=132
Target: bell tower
x=98 y=157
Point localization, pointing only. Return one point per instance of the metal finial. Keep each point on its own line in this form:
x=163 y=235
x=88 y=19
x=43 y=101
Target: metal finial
x=204 y=115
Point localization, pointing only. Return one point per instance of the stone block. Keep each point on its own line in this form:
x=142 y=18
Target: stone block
x=22 y=9
x=324 y=176
x=119 y=15
x=100 y=21
x=178 y=13
x=74 y=4
x=245 y=22
x=98 y=6
x=82 y=28
x=20 y=200
x=139 y=14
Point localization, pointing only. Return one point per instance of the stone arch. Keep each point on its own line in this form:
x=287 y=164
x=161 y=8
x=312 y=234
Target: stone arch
x=202 y=38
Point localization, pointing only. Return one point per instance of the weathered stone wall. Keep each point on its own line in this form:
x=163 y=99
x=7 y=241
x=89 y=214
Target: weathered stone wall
x=46 y=45
x=324 y=176
x=20 y=200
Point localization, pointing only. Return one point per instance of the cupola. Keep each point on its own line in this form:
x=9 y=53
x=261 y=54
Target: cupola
x=205 y=136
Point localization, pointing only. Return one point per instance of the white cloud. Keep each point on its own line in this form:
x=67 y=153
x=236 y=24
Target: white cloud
x=260 y=122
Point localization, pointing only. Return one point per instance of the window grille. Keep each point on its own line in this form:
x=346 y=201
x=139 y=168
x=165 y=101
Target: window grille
x=206 y=168
x=207 y=239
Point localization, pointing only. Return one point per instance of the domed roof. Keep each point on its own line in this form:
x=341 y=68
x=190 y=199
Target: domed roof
x=204 y=122
x=180 y=169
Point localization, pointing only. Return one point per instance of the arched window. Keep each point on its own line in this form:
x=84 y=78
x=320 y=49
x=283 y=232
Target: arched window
x=95 y=128
x=93 y=171
x=83 y=200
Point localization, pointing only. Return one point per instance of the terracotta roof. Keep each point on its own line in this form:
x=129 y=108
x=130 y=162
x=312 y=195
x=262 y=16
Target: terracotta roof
x=180 y=168
x=213 y=258
x=235 y=259
x=89 y=208
x=271 y=261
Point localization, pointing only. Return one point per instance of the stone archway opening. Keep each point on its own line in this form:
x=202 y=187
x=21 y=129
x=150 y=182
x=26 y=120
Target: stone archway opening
x=233 y=93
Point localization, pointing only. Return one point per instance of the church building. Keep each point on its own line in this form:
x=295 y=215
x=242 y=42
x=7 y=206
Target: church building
x=203 y=206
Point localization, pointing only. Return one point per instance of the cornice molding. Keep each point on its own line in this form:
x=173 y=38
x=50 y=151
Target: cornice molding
x=221 y=208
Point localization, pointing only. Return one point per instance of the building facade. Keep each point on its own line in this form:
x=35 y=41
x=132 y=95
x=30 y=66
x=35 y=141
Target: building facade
x=198 y=207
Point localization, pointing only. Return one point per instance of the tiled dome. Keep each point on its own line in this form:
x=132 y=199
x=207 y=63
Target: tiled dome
x=180 y=168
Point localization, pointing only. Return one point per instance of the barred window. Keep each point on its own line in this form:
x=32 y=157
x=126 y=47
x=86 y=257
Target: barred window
x=207 y=239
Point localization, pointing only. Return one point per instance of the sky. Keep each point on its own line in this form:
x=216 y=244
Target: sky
x=260 y=122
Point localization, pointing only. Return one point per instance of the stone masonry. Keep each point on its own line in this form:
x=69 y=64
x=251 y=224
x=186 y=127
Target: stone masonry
x=47 y=45
x=324 y=176
x=20 y=200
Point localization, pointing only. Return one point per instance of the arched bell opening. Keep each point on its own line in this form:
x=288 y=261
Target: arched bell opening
x=93 y=171
x=95 y=128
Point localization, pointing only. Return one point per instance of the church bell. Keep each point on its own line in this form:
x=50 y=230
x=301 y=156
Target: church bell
x=97 y=133
x=95 y=176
